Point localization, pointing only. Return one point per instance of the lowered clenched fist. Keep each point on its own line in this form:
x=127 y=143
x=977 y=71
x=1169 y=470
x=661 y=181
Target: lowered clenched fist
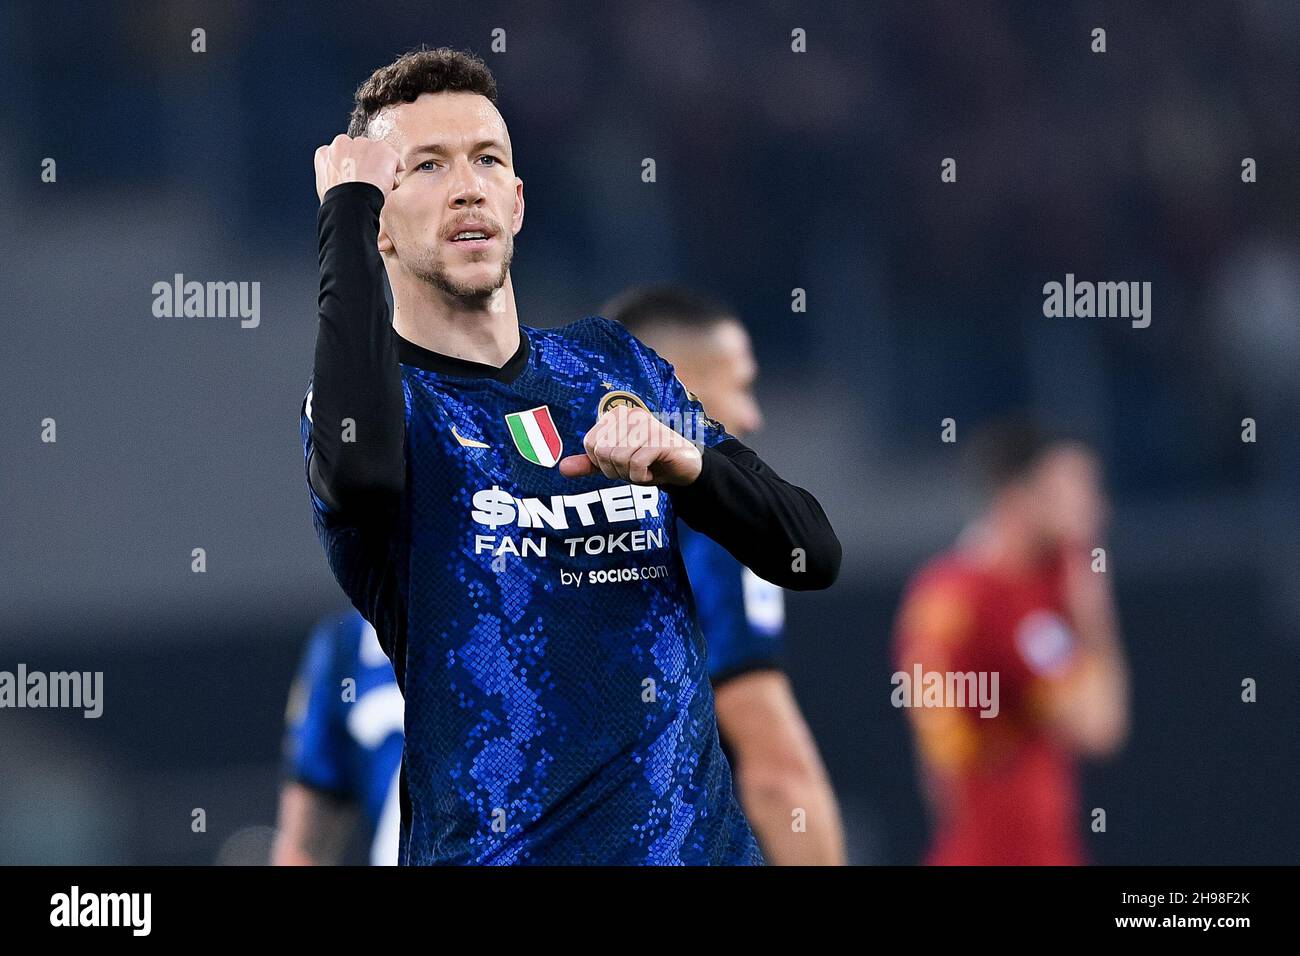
x=359 y=160
x=632 y=445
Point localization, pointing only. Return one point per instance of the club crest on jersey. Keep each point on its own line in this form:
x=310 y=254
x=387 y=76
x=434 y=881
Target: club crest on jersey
x=615 y=399
x=535 y=435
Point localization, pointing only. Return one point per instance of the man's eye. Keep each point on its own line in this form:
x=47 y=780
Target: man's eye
x=427 y=165
x=494 y=160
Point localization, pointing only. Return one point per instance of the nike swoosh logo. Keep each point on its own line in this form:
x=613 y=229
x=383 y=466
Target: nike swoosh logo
x=468 y=442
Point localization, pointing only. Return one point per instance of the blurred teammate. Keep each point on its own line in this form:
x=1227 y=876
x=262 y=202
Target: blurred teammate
x=1018 y=597
x=533 y=602
x=343 y=748
x=779 y=774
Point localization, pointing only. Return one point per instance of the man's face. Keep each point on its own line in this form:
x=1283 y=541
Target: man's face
x=1070 y=503
x=457 y=176
x=719 y=367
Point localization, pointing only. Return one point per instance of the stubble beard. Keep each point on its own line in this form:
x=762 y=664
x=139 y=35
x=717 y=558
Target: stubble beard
x=436 y=274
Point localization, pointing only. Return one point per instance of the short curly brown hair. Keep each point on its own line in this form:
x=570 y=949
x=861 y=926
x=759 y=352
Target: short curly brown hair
x=412 y=74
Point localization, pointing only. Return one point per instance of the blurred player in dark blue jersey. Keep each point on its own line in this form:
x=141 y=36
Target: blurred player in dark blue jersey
x=501 y=501
x=780 y=778
x=343 y=748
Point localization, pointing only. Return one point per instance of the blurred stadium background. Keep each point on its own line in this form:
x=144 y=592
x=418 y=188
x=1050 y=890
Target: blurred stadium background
x=775 y=171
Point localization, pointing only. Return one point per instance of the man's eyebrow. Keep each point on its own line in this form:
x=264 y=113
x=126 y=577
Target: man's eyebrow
x=441 y=150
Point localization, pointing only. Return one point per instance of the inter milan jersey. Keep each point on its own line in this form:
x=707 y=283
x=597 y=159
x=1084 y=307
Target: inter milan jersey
x=344 y=734
x=741 y=615
x=558 y=707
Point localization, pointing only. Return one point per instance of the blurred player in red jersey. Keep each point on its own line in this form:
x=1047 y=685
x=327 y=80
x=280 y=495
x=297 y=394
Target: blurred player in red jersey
x=1018 y=596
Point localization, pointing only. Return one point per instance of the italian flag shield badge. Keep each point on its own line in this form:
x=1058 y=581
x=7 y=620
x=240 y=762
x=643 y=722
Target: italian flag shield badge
x=535 y=435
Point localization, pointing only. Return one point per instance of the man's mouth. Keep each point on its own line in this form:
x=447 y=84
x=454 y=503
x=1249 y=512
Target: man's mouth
x=473 y=237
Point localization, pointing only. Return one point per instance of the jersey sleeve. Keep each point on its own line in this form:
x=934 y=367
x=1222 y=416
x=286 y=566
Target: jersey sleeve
x=360 y=552
x=769 y=525
x=316 y=738
x=937 y=632
x=741 y=615
x=937 y=626
x=684 y=414
x=358 y=420
x=321 y=512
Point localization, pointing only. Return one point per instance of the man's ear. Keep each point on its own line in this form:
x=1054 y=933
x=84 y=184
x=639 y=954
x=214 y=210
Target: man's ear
x=517 y=220
x=385 y=241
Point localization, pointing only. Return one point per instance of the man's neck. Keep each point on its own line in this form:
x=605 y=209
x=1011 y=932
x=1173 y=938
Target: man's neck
x=477 y=330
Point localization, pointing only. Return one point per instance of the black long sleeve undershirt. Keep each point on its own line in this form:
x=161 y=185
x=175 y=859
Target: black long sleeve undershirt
x=761 y=519
x=737 y=500
x=356 y=373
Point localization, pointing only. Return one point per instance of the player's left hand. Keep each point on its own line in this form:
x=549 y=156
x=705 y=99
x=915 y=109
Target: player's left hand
x=630 y=444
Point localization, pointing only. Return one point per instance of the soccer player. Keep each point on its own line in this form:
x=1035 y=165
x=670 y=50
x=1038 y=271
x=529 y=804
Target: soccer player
x=343 y=748
x=1018 y=597
x=780 y=779
x=500 y=501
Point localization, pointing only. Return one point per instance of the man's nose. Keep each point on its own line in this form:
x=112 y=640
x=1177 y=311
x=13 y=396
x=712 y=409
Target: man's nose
x=466 y=189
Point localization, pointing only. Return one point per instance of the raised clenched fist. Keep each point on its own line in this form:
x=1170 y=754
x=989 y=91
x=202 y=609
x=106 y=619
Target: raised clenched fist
x=359 y=160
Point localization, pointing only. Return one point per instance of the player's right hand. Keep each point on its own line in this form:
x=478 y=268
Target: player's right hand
x=359 y=160
x=1088 y=594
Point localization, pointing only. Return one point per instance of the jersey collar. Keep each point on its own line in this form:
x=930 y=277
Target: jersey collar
x=408 y=353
